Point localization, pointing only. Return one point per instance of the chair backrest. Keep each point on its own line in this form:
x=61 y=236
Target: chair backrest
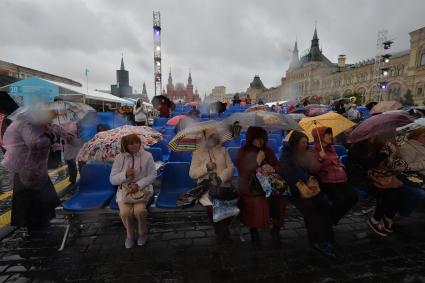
x=340 y=149
x=169 y=130
x=180 y=156
x=159 y=121
x=243 y=142
x=163 y=146
x=344 y=159
x=276 y=137
x=176 y=177
x=95 y=177
x=156 y=153
x=233 y=152
x=273 y=144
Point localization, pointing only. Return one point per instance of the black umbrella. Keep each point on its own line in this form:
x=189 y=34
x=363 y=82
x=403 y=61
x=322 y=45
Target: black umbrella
x=7 y=104
x=158 y=99
x=217 y=107
x=370 y=105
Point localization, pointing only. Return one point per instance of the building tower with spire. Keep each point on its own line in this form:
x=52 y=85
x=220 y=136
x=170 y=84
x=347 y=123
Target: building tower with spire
x=181 y=93
x=122 y=88
x=144 y=95
x=295 y=60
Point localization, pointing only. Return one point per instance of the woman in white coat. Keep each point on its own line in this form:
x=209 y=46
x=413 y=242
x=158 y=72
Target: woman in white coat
x=135 y=168
x=213 y=159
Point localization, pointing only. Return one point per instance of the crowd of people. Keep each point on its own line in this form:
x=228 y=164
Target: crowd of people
x=319 y=185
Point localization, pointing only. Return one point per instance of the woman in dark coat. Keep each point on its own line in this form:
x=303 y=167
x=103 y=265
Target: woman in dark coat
x=378 y=155
x=256 y=211
x=294 y=167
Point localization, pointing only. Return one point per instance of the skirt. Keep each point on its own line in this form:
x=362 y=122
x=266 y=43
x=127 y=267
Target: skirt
x=33 y=208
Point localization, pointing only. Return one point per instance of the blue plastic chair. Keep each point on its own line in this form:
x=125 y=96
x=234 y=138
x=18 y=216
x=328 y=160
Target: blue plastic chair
x=232 y=143
x=340 y=149
x=276 y=137
x=156 y=153
x=272 y=143
x=164 y=149
x=243 y=142
x=168 y=130
x=343 y=159
x=175 y=181
x=233 y=152
x=159 y=123
x=94 y=190
x=180 y=156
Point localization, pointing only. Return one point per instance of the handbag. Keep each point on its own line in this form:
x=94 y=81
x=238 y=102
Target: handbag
x=223 y=193
x=279 y=185
x=382 y=179
x=412 y=179
x=306 y=191
x=189 y=198
x=255 y=186
x=129 y=196
x=223 y=209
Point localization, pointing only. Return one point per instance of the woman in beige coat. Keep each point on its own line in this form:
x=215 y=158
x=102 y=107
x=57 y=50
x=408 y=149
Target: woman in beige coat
x=136 y=167
x=213 y=159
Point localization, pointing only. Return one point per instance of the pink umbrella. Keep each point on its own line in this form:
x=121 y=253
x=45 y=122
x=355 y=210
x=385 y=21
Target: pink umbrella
x=378 y=124
x=175 y=120
x=386 y=106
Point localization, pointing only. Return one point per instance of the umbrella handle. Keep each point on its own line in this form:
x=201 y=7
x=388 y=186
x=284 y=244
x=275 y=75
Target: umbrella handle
x=318 y=135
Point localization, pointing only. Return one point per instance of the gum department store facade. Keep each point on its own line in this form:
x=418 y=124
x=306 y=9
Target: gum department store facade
x=314 y=74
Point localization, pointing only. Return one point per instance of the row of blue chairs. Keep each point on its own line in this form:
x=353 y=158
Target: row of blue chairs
x=96 y=192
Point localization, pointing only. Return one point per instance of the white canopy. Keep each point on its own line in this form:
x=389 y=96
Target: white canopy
x=90 y=94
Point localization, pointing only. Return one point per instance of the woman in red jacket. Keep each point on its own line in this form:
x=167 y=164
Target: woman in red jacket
x=256 y=211
x=330 y=171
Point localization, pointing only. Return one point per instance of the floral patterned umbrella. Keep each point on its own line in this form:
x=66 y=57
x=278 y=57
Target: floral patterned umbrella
x=104 y=146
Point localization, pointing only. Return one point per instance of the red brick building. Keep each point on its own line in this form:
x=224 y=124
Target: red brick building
x=180 y=92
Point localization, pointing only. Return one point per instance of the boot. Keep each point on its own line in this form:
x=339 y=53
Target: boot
x=276 y=237
x=255 y=238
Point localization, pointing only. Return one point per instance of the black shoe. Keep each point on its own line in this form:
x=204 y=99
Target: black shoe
x=326 y=249
x=255 y=238
x=276 y=237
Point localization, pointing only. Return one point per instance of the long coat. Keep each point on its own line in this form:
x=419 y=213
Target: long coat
x=255 y=210
x=34 y=198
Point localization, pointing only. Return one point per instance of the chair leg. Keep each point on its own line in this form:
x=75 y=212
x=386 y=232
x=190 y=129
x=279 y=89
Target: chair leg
x=65 y=237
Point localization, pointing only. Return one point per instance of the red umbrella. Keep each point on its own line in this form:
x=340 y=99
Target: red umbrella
x=175 y=120
x=378 y=124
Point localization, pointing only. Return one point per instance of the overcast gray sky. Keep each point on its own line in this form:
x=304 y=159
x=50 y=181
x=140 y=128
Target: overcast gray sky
x=224 y=42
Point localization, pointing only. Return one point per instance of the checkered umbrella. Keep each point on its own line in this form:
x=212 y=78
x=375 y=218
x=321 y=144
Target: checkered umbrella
x=192 y=137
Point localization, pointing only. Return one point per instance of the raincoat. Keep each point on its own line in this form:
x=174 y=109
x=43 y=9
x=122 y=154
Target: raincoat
x=330 y=169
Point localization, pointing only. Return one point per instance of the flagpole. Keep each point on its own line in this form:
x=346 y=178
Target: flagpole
x=87 y=86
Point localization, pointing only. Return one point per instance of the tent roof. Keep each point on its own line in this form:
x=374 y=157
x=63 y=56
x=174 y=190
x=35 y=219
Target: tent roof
x=66 y=89
x=90 y=94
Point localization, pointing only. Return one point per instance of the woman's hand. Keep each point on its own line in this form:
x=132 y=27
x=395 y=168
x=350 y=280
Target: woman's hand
x=322 y=155
x=267 y=169
x=129 y=173
x=261 y=156
x=134 y=188
x=211 y=166
x=312 y=182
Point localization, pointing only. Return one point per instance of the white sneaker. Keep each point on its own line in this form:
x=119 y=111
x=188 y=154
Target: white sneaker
x=129 y=243
x=141 y=241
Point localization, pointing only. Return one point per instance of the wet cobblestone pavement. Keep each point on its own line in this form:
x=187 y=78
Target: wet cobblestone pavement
x=182 y=248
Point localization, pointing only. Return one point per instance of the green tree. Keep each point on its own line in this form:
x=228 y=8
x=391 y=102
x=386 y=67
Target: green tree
x=408 y=98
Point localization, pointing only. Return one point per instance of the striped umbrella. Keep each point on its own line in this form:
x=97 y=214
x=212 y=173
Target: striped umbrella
x=192 y=137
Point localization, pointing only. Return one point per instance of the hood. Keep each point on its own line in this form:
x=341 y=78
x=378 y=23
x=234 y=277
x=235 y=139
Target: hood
x=256 y=132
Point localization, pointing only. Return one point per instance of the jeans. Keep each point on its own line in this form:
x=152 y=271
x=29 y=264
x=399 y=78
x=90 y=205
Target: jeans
x=387 y=203
x=342 y=198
